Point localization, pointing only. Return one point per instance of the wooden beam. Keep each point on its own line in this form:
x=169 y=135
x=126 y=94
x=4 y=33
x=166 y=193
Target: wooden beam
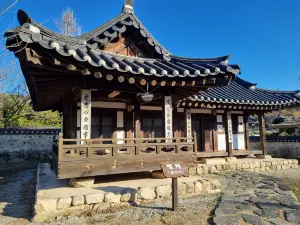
x=262 y=133
x=114 y=94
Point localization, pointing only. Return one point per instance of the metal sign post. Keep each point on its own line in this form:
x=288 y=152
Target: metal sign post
x=174 y=194
x=174 y=170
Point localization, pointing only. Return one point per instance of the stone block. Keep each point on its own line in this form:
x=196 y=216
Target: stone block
x=192 y=171
x=82 y=182
x=45 y=205
x=274 y=163
x=213 y=161
x=212 y=169
x=231 y=159
x=199 y=170
x=198 y=187
x=181 y=188
x=257 y=169
x=63 y=203
x=245 y=165
x=295 y=161
x=268 y=163
x=219 y=167
x=205 y=186
x=268 y=168
x=278 y=167
x=215 y=184
x=77 y=200
x=100 y=207
x=257 y=164
x=146 y=193
x=262 y=164
x=190 y=188
x=239 y=166
x=263 y=156
x=285 y=162
x=232 y=166
x=128 y=195
x=94 y=198
x=111 y=197
x=163 y=190
x=273 y=167
x=205 y=170
x=158 y=174
x=252 y=165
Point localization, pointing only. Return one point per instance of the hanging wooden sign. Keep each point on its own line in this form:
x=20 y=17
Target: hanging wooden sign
x=188 y=117
x=85 y=125
x=174 y=169
x=229 y=125
x=168 y=118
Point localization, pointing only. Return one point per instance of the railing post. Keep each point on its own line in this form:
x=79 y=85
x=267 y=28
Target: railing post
x=60 y=147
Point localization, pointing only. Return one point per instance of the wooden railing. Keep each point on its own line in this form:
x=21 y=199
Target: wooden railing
x=82 y=149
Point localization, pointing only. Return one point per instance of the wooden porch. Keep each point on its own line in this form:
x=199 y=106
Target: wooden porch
x=91 y=157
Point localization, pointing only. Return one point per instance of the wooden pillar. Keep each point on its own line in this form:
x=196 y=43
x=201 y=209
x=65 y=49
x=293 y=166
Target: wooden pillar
x=247 y=138
x=129 y=124
x=85 y=114
x=168 y=118
x=137 y=121
x=188 y=124
x=262 y=133
x=214 y=130
x=65 y=119
x=228 y=133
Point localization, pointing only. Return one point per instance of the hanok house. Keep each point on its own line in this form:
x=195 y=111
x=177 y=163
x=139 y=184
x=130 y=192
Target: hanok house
x=221 y=116
x=125 y=99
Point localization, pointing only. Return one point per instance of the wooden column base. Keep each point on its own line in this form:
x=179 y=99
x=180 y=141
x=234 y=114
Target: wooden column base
x=158 y=174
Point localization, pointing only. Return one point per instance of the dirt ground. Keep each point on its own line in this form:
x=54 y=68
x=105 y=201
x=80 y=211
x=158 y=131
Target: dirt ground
x=17 y=192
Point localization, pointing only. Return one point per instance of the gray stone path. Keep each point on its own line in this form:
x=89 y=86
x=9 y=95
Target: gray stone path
x=257 y=199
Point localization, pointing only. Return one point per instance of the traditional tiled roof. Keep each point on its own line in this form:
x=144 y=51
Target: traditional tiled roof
x=243 y=94
x=85 y=49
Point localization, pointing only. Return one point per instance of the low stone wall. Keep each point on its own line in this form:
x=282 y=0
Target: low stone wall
x=21 y=148
x=288 y=150
x=247 y=164
x=93 y=200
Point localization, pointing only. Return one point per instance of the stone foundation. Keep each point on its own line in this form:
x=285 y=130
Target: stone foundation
x=246 y=164
x=56 y=198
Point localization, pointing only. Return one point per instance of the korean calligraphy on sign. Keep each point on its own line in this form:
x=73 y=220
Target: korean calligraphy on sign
x=168 y=117
x=86 y=101
x=188 y=117
x=174 y=170
x=229 y=124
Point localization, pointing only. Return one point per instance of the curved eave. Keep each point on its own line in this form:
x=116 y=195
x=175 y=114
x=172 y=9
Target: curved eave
x=237 y=96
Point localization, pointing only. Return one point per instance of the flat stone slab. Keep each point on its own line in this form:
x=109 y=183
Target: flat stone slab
x=267 y=199
x=226 y=220
x=252 y=219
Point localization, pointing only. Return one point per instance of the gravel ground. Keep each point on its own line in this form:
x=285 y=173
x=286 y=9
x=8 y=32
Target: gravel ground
x=17 y=192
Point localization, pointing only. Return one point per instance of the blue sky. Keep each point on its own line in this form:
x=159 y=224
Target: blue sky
x=263 y=36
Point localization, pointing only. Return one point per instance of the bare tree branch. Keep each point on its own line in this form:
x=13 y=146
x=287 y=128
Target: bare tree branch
x=67 y=24
x=9 y=7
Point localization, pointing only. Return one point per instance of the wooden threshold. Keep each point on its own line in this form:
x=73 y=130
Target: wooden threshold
x=246 y=152
x=212 y=154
